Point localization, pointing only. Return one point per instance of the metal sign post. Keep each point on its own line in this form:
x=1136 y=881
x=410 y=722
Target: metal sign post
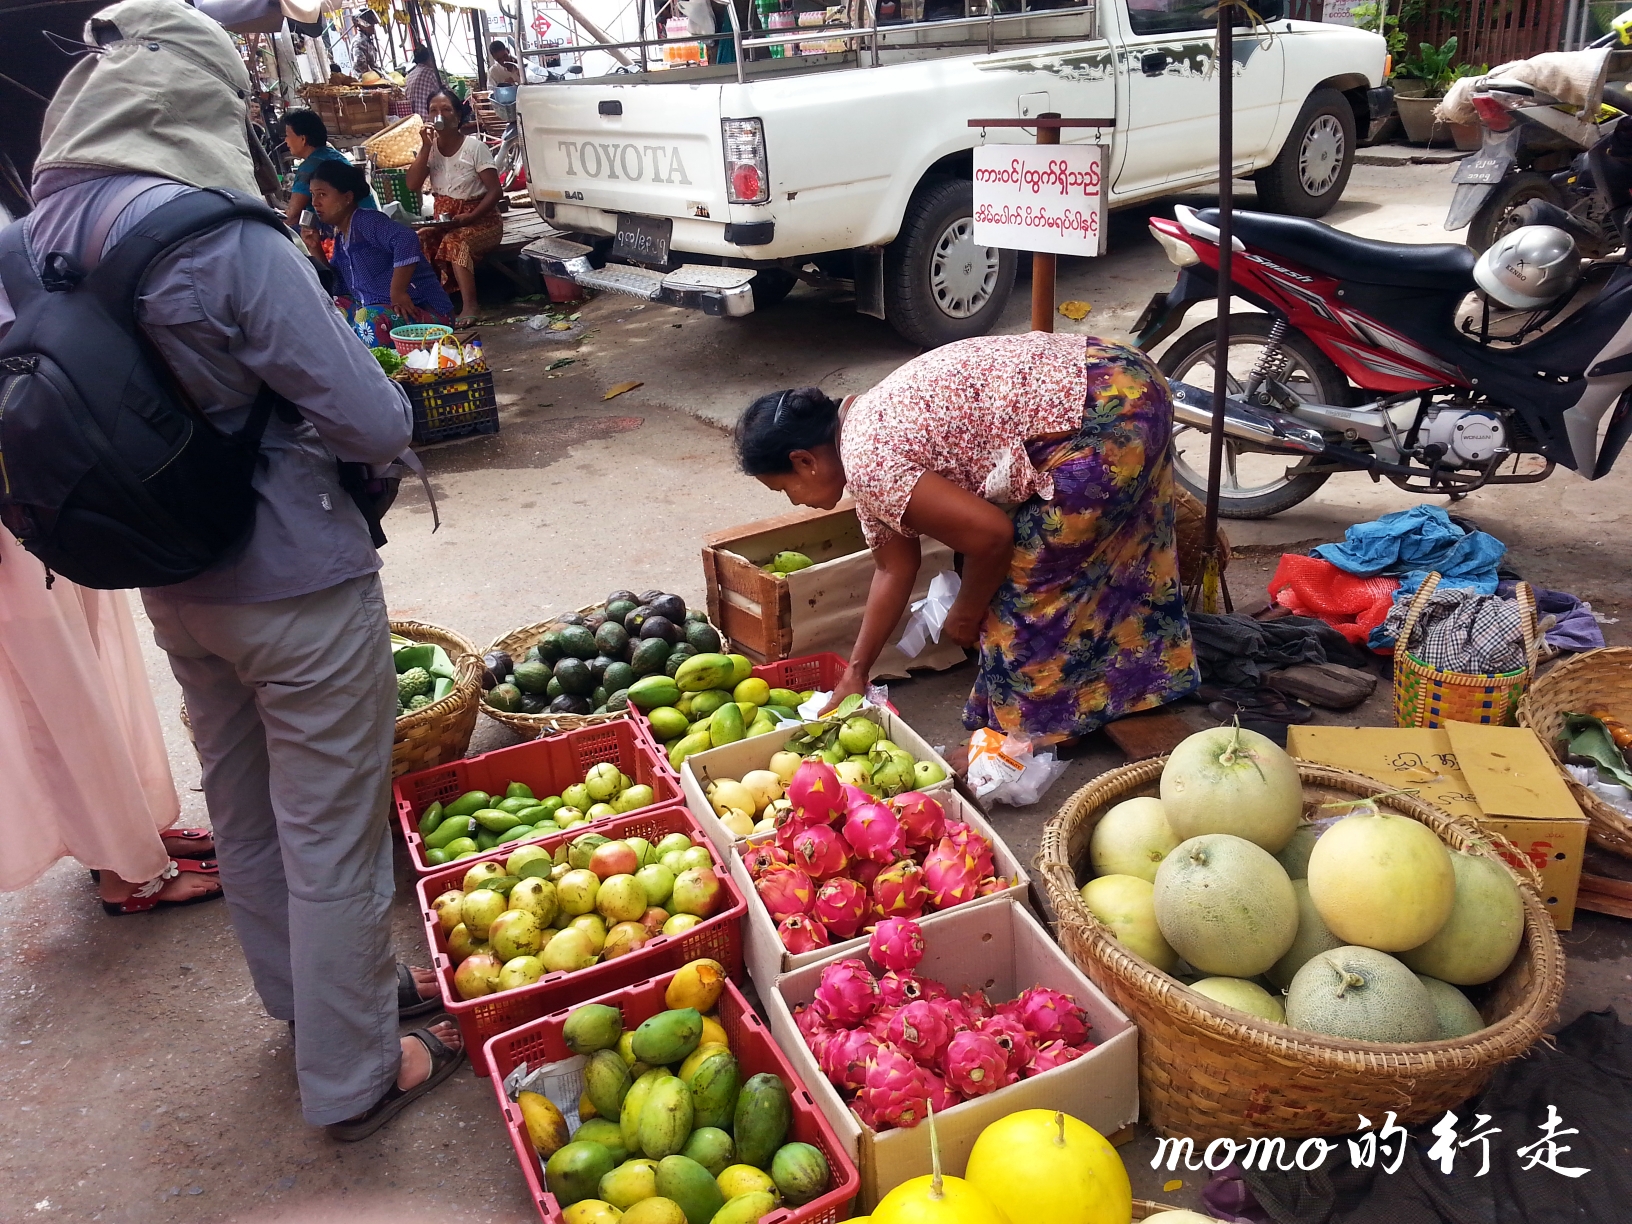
x=1226 y=204
x=1045 y=263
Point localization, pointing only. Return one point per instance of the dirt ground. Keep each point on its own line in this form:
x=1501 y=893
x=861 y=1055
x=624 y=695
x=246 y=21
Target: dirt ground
x=145 y=1084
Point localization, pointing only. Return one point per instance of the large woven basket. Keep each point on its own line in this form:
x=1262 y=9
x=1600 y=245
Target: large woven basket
x=441 y=731
x=1426 y=696
x=396 y=145
x=1208 y=1071
x=1594 y=679
x=530 y=726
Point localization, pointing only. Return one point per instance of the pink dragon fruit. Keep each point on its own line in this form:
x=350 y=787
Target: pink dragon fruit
x=975 y=1064
x=841 y=906
x=923 y=820
x=844 y=1056
x=790 y=824
x=878 y=1024
x=899 y=989
x=854 y=796
x=848 y=993
x=1012 y=1038
x=896 y=1092
x=992 y=884
x=950 y=875
x=900 y=890
x=978 y=1005
x=802 y=933
x=1052 y=1054
x=897 y=944
x=762 y=858
x=864 y=873
x=816 y=792
x=874 y=833
x=820 y=851
x=1049 y=1015
x=812 y=1024
x=973 y=842
x=941 y=1094
x=921 y=1030
x=933 y=989
x=786 y=890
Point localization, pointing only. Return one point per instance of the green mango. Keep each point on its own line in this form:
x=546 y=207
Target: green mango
x=607 y=1081
x=495 y=820
x=605 y=1132
x=575 y=1172
x=628 y=1184
x=763 y=1115
x=745 y=1208
x=665 y=1118
x=592 y=1027
x=710 y=1147
x=726 y=725
x=450 y=828
x=634 y=1104
x=715 y=1085
x=668 y=1036
x=468 y=803
x=429 y=819
x=684 y=1181
x=800 y=1172
x=705 y=671
x=698 y=741
x=705 y=703
x=783 y=697
x=651 y=692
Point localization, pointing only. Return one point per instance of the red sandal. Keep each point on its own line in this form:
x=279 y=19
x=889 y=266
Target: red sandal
x=146 y=897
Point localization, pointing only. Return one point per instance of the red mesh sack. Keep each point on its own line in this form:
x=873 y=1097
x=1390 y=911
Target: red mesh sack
x=1353 y=606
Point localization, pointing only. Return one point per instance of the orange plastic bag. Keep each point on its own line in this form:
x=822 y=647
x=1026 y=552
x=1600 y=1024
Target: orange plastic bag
x=1353 y=606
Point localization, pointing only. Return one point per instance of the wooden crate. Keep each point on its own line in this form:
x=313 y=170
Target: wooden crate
x=768 y=618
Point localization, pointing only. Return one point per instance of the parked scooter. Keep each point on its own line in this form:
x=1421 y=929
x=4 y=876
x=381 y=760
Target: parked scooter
x=1429 y=365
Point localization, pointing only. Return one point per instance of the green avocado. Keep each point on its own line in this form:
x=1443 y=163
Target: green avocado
x=649 y=656
x=618 y=676
x=574 y=677
x=532 y=677
x=549 y=647
x=612 y=638
x=680 y=654
x=578 y=642
x=553 y=689
x=702 y=638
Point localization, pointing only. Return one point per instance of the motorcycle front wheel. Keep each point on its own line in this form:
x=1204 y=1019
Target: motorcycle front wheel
x=1256 y=483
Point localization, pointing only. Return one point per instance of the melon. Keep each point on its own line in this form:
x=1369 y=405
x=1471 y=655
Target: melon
x=1230 y=780
x=1454 y=1014
x=1127 y=905
x=1482 y=935
x=1243 y=996
x=1363 y=995
x=1382 y=880
x=1313 y=938
x=1225 y=905
x=1294 y=856
x=1131 y=839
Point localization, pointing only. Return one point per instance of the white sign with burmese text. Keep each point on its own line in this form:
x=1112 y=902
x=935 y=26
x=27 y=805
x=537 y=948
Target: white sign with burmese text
x=1040 y=198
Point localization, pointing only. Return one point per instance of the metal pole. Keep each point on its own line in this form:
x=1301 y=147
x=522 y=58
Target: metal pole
x=1043 y=264
x=1226 y=202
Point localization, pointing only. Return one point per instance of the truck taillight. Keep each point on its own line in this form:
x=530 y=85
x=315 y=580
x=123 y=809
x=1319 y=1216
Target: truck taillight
x=747 y=180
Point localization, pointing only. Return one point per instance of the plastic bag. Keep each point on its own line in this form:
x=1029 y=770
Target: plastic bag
x=1004 y=769
x=877 y=695
x=929 y=614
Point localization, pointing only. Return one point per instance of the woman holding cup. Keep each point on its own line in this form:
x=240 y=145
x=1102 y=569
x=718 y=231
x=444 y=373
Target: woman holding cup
x=465 y=181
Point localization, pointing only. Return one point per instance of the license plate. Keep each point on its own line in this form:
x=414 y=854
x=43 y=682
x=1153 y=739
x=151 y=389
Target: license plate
x=643 y=239
x=1482 y=169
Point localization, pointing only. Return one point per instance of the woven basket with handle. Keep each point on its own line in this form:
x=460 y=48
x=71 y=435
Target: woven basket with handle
x=440 y=732
x=517 y=643
x=1208 y=1071
x=1427 y=696
x=1592 y=680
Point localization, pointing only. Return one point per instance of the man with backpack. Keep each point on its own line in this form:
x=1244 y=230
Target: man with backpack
x=151 y=301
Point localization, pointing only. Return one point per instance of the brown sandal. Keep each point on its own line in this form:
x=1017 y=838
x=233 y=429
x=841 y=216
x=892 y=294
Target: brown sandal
x=443 y=1063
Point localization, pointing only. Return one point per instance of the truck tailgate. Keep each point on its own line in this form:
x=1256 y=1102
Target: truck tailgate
x=638 y=148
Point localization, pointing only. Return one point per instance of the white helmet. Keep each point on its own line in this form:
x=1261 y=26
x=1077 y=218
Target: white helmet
x=1529 y=267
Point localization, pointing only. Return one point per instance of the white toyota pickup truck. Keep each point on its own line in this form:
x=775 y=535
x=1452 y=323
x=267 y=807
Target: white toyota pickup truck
x=720 y=186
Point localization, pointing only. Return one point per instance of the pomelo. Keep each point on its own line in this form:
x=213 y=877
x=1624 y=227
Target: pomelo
x=1230 y=780
x=1313 y=938
x=1294 y=856
x=1381 y=880
x=1361 y=994
x=1225 y=905
x=1454 y=1014
x=1126 y=904
x=1482 y=934
x=1040 y=1165
x=1243 y=996
x=1131 y=839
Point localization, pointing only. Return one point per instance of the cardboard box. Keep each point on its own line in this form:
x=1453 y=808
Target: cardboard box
x=734 y=760
x=767 y=959
x=816 y=609
x=1001 y=949
x=1499 y=777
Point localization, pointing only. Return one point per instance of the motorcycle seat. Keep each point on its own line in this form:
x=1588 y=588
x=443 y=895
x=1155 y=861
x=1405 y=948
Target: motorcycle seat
x=1363 y=261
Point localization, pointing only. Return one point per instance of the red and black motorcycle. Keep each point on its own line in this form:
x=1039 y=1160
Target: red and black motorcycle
x=1383 y=358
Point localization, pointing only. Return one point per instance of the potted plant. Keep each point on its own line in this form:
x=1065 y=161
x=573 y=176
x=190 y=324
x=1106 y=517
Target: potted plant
x=1436 y=68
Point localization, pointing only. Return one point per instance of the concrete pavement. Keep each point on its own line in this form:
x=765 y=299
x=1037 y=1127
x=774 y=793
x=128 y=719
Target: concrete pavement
x=145 y=1084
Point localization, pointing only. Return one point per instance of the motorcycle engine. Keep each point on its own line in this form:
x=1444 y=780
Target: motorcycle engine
x=1468 y=435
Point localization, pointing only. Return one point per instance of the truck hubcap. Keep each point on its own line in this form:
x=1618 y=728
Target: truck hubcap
x=1321 y=157
x=962 y=275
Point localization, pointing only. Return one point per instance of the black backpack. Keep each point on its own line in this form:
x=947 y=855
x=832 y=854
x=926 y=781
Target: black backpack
x=109 y=474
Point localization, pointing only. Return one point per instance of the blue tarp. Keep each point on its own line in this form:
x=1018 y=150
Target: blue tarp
x=1410 y=543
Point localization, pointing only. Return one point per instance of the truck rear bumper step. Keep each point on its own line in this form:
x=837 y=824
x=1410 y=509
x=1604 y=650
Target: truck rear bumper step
x=712 y=290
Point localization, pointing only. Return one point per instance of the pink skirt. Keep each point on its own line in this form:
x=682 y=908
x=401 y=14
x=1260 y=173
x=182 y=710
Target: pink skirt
x=85 y=768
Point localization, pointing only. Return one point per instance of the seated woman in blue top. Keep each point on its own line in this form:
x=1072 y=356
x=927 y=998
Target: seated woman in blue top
x=306 y=137
x=388 y=282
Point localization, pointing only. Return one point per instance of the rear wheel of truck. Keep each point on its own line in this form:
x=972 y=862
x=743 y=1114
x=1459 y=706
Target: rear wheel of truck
x=939 y=286
x=1309 y=175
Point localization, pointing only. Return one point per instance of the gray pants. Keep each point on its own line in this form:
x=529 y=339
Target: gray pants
x=293 y=704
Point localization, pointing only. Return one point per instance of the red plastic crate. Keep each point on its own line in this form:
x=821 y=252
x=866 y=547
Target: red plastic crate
x=818 y=671
x=718 y=938
x=541 y=1042
x=548 y=765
